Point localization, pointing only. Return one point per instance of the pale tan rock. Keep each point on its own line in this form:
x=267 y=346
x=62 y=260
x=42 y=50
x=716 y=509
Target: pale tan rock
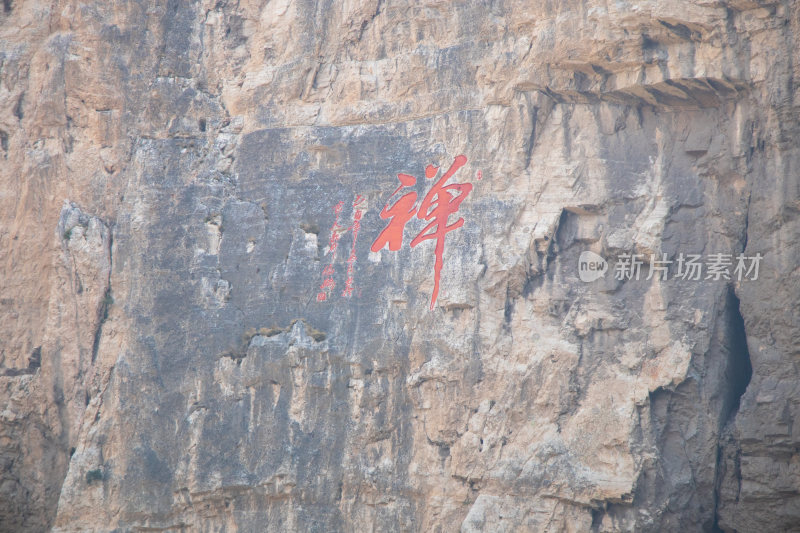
x=136 y=193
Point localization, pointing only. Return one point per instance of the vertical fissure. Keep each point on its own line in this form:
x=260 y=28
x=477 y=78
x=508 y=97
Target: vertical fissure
x=108 y=300
x=738 y=372
x=739 y=369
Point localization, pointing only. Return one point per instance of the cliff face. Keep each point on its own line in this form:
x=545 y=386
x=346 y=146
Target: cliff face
x=177 y=178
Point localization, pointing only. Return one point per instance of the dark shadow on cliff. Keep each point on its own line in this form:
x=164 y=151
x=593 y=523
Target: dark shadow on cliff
x=739 y=369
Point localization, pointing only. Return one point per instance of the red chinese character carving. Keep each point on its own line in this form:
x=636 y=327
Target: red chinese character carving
x=328 y=284
x=351 y=261
x=400 y=213
x=348 y=288
x=441 y=201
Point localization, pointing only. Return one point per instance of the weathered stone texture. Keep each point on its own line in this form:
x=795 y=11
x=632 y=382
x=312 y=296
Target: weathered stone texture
x=169 y=172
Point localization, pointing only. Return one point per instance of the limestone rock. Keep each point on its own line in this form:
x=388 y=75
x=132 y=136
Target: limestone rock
x=177 y=177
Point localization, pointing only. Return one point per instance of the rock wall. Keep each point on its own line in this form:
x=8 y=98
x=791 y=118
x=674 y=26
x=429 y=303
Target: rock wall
x=180 y=179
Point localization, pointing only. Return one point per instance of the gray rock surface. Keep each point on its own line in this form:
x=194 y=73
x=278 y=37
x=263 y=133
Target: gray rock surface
x=169 y=177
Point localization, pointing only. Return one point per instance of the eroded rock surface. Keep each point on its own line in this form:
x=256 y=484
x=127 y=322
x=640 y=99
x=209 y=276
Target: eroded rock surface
x=170 y=175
